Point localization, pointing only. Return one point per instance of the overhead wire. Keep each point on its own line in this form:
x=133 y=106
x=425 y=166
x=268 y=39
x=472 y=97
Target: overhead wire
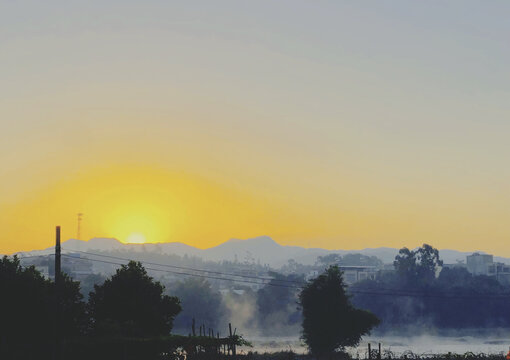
x=269 y=281
x=190 y=274
x=192 y=269
x=394 y=293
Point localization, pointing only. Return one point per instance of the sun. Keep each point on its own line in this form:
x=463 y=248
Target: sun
x=136 y=238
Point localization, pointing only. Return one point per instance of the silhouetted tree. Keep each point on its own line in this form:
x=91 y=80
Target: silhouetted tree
x=277 y=302
x=198 y=301
x=454 y=277
x=348 y=260
x=330 y=322
x=471 y=301
x=27 y=308
x=413 y=295
x=405 y=264
x=328 y=260
x=418 y=265
x=74 y=319
x=132 y=304
x=360 y=260
x=428 y=262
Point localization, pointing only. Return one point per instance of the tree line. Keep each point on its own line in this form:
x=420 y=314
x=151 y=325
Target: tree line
x=422 y=294
x=131 y=308
x=129 y=304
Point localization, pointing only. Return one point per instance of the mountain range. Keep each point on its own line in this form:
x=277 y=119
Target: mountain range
x=261 y=249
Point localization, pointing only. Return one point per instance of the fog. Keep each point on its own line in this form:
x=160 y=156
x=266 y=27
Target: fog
x=471 y=316
x=243 y=313
x=440 y=344
x=421 y=338
x=496 y=343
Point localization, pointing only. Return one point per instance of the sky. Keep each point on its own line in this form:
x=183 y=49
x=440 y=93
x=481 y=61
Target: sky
x=332 y=124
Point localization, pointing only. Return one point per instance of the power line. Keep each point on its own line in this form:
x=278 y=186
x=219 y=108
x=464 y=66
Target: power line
x=78 y=229
x=354 y=290
x=413 y=293
x=394 y=293
x=32 y=256
x=184 y=268
x=179 y=273
x=188 y=274
x=193 y=269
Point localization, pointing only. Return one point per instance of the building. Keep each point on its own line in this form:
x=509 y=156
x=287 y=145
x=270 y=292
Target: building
x=482 y=264
x=478 y=264
x=499 y=270
x=353 y=274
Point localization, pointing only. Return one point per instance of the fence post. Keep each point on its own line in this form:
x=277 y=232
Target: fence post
x=369 y=352
x=232 y=345
x=379 y=354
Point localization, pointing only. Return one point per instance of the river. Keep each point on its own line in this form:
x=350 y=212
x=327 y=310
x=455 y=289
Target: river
x=497 y=343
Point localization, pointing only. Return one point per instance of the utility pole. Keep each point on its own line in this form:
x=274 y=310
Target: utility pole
x=78 y=230
x=58 y=267
x=58 y=284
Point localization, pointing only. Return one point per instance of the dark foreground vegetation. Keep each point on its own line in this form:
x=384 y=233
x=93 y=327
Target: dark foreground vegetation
x=129 y=317
x=126 y=318
x=418 y=293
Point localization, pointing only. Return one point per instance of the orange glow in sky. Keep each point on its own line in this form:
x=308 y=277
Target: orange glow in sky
x=203 y=122
x=140 y=204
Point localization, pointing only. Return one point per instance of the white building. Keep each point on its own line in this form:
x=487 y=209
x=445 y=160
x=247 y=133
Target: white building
x=353 y=274
x=482 y=264
x=478 y=264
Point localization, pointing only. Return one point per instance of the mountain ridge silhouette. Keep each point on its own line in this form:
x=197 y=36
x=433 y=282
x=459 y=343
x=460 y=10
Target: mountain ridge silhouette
x=261 y=249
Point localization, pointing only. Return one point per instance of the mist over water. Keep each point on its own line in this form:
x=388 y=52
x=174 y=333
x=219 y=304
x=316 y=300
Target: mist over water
x=496 y=343
x=268 y=316
x=440 y=344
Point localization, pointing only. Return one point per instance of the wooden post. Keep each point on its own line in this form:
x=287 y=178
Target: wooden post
x=230 y=342
x=379 y=354
x=58 y=280
x=232 y=339
x=369 y=351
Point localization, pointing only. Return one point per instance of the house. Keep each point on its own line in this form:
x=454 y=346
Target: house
x=483 y=264
x=353 y=274
x=478 y=264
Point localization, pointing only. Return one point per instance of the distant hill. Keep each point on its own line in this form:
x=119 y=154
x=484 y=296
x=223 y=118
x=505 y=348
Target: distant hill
x=109 y=244
x=261 y=249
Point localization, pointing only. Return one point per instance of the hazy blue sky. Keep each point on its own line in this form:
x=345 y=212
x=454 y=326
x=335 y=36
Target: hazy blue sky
x=339 y=124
